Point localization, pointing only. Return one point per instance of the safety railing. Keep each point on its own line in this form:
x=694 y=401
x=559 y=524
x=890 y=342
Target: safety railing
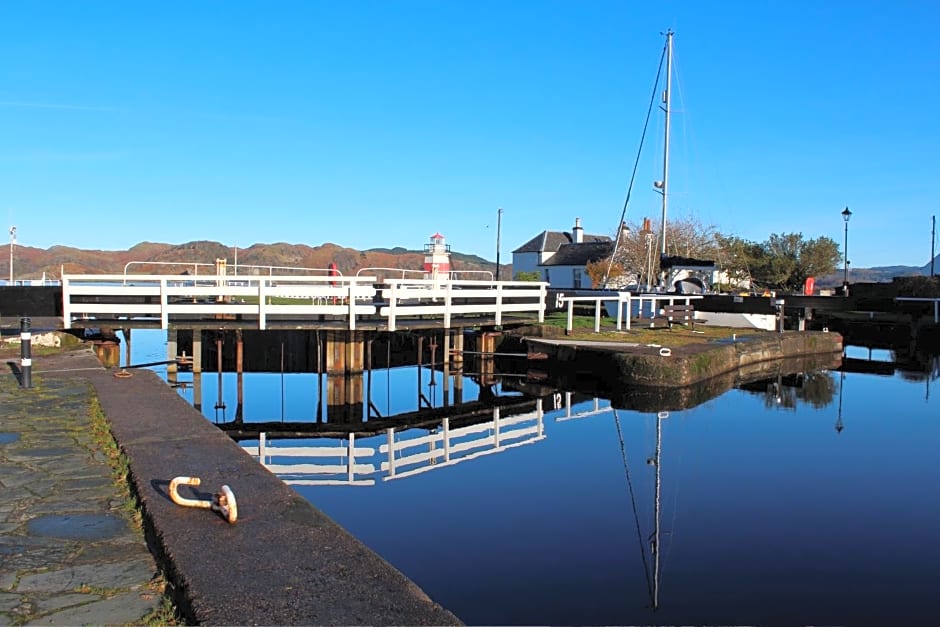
x=175 y=297
x=165 y=297
x=935 y=301
x=233 y=270
x=406 y=298
x=622 y=305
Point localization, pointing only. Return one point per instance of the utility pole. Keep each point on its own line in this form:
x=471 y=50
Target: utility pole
x=499 y=225
x=933 y=240
x=12 y=244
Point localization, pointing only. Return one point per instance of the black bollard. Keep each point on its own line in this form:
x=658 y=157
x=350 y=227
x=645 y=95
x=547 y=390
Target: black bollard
x=26 y=351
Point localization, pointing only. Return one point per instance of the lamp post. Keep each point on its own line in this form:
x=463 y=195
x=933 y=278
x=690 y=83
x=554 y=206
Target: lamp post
x=846 y=214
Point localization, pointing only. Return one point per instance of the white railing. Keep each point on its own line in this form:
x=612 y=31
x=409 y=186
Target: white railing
x=399 y=457
x=173 y=296
x=634 y=305
x=169 y=297
x=432 y=297
x=253 y=270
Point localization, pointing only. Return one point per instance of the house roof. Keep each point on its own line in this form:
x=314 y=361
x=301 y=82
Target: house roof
x=580 y=254
x=552 y=241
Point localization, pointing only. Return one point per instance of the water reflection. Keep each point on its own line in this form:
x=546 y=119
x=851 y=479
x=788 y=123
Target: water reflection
x=749 y=510
x=402 y=451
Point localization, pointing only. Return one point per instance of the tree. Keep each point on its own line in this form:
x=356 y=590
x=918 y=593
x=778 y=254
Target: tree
x=603 y=268
x=788 y=260
x=638 y=250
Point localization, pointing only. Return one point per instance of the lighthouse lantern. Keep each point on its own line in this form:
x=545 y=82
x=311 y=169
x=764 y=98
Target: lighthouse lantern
x=437 y=258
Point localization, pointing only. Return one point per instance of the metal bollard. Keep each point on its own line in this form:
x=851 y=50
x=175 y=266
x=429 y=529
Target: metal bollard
x=26 y=351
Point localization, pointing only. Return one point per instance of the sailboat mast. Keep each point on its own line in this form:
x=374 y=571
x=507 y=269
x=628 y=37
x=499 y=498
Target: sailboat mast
x=667 y=97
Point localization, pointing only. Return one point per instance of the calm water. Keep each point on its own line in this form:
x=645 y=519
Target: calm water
x=767 y=513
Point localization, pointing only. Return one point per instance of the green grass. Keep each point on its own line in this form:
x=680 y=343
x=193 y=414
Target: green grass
x=583 y=329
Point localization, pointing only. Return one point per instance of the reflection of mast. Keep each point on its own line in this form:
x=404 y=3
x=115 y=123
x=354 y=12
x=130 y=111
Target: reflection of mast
x=219 y=403
x=654 y=595
x=657 y=506
x=839 y=426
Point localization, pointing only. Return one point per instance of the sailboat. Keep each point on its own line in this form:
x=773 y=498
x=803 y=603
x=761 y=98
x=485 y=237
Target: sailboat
x=678 y=275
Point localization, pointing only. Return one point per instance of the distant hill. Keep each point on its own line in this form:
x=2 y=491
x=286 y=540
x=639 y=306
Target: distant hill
x=31 y=263
x=879 y=274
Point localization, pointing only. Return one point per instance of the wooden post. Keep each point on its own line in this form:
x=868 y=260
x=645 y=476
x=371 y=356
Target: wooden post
x=127 y=346
x=197 y=351
x=171 y=352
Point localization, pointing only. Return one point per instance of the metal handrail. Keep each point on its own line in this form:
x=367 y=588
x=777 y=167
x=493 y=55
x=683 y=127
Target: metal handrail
x=196 y=264
x=402 y=270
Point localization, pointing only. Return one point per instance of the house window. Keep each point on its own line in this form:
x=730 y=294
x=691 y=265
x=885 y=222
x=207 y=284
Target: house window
x=576 y=278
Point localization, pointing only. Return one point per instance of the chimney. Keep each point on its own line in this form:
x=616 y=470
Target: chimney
x=624 y=232
x=577 y=233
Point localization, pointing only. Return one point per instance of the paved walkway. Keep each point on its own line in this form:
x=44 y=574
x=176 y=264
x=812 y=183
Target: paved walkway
x=68 y=556
x=69 y=553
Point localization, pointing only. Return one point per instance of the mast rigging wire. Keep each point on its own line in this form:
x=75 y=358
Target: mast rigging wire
x=636 y=164
x=636 y=515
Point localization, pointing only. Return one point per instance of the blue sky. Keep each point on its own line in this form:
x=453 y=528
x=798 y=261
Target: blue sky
x=373 y=124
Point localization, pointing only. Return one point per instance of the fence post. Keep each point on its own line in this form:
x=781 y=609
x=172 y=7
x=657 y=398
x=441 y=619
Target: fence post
x=164 y=301
x=66 y=303
x=392 y=298
x=543 y=292
x=499 y=304
x=351 y=303
x=448 y=298
x=26 y=348
x=262 y=296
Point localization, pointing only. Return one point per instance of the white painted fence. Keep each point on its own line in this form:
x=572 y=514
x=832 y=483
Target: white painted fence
x=174 y=296
x=623 y=306
x=935 y=301
x=447 y=298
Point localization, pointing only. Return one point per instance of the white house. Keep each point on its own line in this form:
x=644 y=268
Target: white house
x=561 y=258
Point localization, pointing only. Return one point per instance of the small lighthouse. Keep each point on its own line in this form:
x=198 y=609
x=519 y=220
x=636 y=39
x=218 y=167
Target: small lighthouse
x=437 y=258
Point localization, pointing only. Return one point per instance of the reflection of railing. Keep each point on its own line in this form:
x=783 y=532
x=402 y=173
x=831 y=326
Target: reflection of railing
x=596 y=409
x=447 y=446
x=344 y=462
x=403 y=455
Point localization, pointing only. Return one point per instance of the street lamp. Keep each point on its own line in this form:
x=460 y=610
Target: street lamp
x=846 y=214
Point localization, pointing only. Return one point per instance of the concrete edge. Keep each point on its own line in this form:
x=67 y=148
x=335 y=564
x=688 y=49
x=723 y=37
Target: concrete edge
x=283 y=562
